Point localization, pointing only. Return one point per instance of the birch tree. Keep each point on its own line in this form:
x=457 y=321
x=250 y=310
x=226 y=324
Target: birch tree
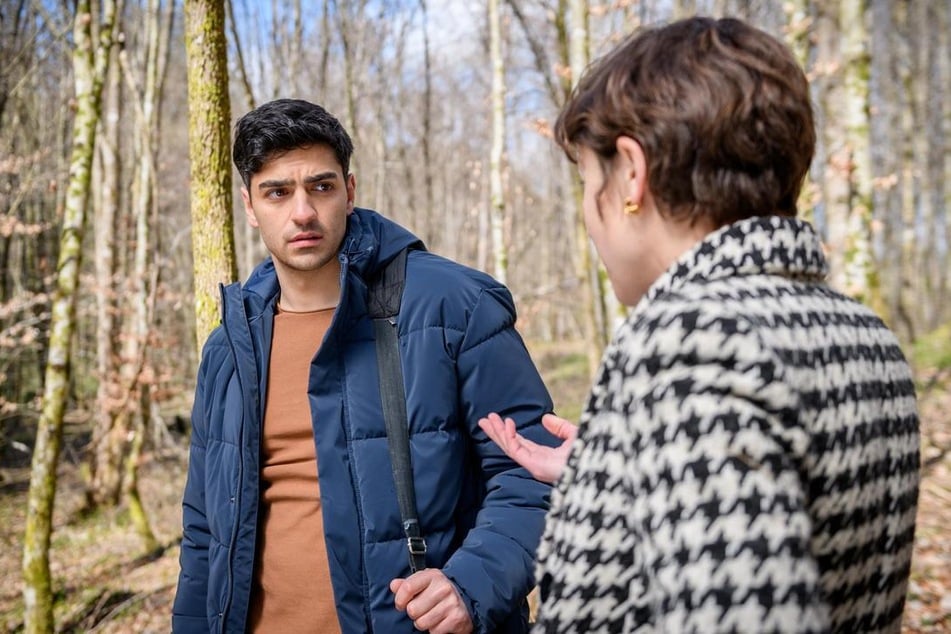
x=209 y=142
x=497 y=149
x=349 y=28
x=930 y=150
x=908 y=291
x=846 y=181
x=859 y=267
x=941 y=80
x=90 y=63
x=145 y=84
x=104 y=457
x=589 y=278
x=797 y=33
x=427 y=123
x=886 y=156
x=248 y=236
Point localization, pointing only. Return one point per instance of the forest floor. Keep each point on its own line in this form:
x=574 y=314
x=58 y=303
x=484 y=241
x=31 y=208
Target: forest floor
x=104 y=583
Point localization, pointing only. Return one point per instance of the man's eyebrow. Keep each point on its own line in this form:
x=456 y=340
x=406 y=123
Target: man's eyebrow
x=322 y=176
x=313 y=178
x=274 y=183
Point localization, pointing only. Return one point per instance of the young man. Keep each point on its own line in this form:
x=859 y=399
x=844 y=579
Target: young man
x=291 y=520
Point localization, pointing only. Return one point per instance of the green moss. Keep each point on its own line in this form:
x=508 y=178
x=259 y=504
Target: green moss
x=933 y=350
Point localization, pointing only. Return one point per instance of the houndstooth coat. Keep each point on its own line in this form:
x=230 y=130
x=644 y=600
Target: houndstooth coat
x=747 y=461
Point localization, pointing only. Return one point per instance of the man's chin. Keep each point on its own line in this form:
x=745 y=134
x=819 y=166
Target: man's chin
x=307 y=264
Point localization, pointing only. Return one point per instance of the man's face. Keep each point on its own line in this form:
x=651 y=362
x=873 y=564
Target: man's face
x=300 y=201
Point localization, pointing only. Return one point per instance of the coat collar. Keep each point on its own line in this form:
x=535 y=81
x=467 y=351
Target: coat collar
x=370 y=243
x=762 y=245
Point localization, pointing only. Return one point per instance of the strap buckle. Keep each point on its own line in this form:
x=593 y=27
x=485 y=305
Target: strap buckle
x=416 y=545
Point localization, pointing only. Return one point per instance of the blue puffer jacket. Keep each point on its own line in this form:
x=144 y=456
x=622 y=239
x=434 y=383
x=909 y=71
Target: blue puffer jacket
x=481 y=514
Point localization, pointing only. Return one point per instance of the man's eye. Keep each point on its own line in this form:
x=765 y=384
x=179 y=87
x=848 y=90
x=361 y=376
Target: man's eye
x=322 y=187
x=276 y=193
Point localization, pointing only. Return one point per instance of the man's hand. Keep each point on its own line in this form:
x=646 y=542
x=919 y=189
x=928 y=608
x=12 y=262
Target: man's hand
x=432 y=602
x=544 y=463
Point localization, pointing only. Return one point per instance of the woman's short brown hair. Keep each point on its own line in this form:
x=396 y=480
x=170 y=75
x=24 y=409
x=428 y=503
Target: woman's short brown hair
x=721 y=109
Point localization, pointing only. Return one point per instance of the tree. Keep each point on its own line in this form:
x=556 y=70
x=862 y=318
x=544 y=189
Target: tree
x=102 y=486
x=427 y=122
x=90 y=63
x=847 y=182
x=136 y=410
x=860 y=269
x=350 y=29
x=29 y=208
x=590 y=279
x=209 y=118
x=930 y=151
x=496 y=153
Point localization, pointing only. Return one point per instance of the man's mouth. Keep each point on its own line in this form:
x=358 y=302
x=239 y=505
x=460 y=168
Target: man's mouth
x=306 y=239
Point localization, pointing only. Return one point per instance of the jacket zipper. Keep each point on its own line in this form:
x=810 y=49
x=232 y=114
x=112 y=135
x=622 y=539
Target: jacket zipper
x=237 y=496
x=367 y=612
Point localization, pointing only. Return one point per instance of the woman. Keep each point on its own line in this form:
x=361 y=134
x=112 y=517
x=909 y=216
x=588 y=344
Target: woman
x=748 y=457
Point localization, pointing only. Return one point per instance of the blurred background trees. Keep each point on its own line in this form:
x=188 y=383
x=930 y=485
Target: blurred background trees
x=450 y=105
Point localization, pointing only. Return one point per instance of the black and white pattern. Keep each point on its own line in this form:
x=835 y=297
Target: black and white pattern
x=748 y=459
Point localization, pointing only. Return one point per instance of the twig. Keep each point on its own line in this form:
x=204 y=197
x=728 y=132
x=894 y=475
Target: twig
x=940 y=492
x=135 y=598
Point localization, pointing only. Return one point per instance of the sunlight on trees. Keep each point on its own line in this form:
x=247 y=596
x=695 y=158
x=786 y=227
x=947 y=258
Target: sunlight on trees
x=117 y=204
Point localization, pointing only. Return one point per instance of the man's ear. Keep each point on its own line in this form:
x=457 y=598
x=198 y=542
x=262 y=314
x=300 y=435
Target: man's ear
x=248 y=209
x=351 y=192
x=634 y=168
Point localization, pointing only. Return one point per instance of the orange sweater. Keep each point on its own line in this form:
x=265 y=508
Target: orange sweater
x=291 y=591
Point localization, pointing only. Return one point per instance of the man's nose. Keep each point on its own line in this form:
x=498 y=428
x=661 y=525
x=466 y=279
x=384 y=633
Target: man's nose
x=303 y=211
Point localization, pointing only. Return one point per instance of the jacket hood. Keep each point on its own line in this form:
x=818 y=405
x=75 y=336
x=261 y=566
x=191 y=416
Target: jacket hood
x=370 y=242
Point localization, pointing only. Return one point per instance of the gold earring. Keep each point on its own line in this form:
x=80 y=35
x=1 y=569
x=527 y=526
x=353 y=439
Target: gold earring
x=631 y=208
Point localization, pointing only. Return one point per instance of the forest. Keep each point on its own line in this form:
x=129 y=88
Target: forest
x=120 y=216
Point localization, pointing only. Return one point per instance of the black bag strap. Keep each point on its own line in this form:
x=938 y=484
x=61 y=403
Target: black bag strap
x=383 y=303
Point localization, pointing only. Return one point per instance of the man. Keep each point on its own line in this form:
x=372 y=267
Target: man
x=291 y=521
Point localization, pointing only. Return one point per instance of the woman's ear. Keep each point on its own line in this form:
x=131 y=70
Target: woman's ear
x=633 y=168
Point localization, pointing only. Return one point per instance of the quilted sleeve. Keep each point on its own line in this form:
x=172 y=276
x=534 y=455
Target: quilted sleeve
x=189 y=613
x=493 y=568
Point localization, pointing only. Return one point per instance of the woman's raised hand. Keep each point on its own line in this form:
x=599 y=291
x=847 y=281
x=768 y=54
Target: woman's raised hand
x=543 y=462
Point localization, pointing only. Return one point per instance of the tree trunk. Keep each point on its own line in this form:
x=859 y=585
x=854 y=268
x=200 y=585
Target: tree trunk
x=684 y=8
x=429 y=205
x=906 y=291
x=104 y=475
x=382 y=158
x=325 y=47
x=497 y=150
x=943 y=172
x=90 y=61
x=157 y=35
x=861 y=272
x=137 y=512
x=846 y=178
x=884 y=141
x=586 y=265
x=542 y=64
x=799 y=27
x=934 y=153
x=209 y=141
x=348 y=36
x=239 y=57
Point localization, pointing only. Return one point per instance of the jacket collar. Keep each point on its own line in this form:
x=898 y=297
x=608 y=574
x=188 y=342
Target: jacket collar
x=762 y=245
x=370 y=242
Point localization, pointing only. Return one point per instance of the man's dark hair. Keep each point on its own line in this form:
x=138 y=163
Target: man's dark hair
x=283 y=125
x=722 y=110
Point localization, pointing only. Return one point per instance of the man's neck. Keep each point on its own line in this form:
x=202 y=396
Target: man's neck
x=307 y=291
